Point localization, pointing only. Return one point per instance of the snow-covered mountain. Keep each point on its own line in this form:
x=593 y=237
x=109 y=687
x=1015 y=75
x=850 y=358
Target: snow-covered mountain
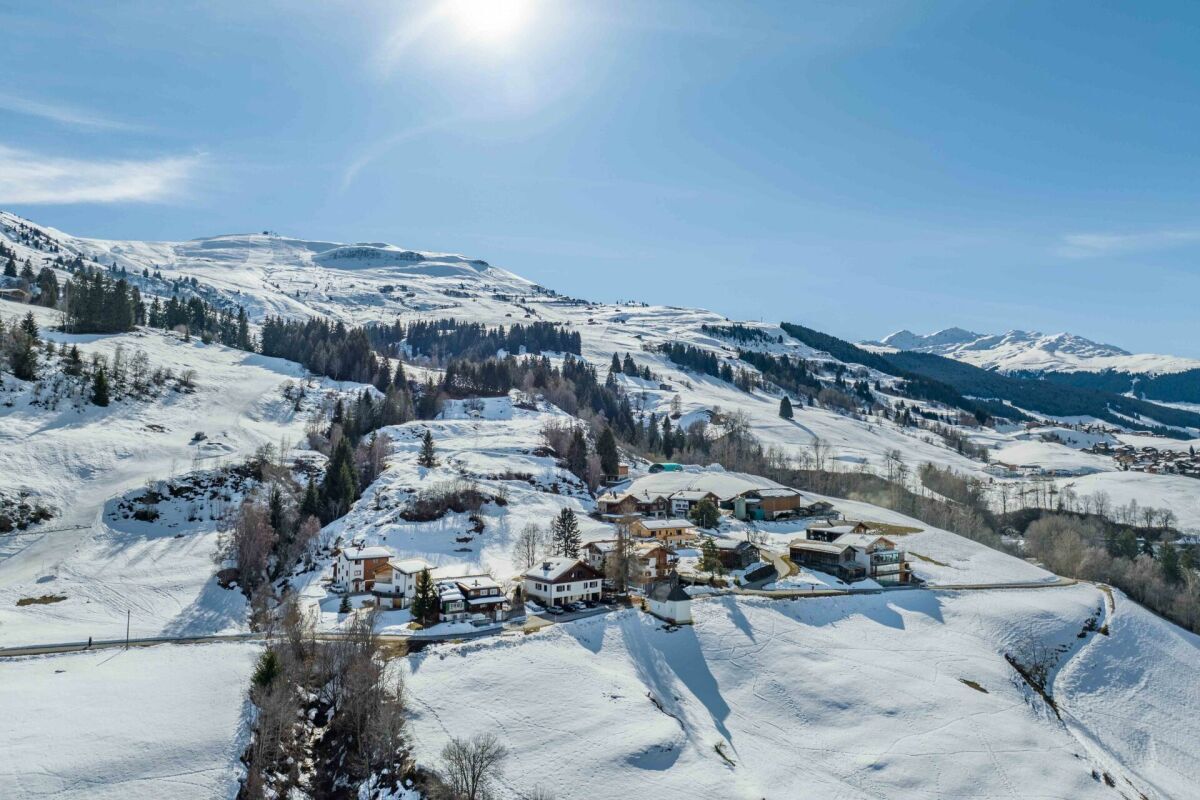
x=715 y=708
x=1019 y=351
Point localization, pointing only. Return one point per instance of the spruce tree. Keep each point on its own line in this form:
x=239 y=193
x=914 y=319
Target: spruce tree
x=427 y=457
x=615 y=367
x=705 y=514
x=10 y=269
x=606 y=448
x=100 y=388
x=785 y=408
x=564 y=534
x=23 y=359
x=577 y=454
x=424 y=606
x=1168 y=560
x=310 y=506
x=29 y=326
x=710 y=559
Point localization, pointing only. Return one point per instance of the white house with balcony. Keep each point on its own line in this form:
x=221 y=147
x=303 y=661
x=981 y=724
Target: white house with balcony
x=883 y=561
x=396 y=582
x=559 y=581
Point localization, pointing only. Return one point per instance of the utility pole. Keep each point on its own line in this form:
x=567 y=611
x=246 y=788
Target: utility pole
x=127 y=611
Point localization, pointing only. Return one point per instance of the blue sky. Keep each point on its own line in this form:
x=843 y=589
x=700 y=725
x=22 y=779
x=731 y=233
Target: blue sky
x=857 y=167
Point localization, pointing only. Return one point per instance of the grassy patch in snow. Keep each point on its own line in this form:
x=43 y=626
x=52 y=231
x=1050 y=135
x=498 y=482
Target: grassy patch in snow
x=44 y=600
x=927 y=559
x=973 y=685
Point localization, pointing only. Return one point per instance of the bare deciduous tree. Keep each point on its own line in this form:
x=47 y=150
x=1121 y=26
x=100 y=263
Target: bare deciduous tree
x=470 y=768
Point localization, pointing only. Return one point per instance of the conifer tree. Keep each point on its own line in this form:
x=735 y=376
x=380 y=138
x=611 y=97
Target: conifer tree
x=615 y=367
x=100 y=388
x=710 y=560
x=606 y=448
x=577 y=454
x=425 y=600
x=427 y=458
x=785 y=408
x=29 y=326
x=564 y=534
x=10 y=269
x=310 y=506
x=705 y=514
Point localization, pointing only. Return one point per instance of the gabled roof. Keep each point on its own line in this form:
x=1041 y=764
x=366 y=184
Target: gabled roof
x=409 y=566
x=782 y=491
x=692 y=494
x=361 y=553
x=860 y=539
x=818 y=547
x=551 y=569
x=664 y=524
x=730 y=544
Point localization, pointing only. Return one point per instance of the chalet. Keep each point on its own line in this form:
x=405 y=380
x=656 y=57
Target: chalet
x=835 y=559
x=355 y=567
x=470 y=597
x=667 y=600
x=878 y=556
x=559 y=581
x=16 y=294
x=654 y=560
x=684 y=502
x=735 y=553
x=633 y=503
x=818 y=508
x=621 y=474
x=396 y=582
x=671 y=532
x=767 y=504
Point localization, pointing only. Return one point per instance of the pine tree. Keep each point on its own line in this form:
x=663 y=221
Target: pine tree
x=100 y=388
x=705 y=514
x=344 y=606
x=615 y=367
x=1168 y=560
x=267 y=669
x=10 y=269
x=427 y=458
x=424 y=606
x=243 y=331
x=29 y=326
x=310 y=506
x=577 y=454
x=785 y=408
x=606 y=448
x=23 y=359
x=564 y=534
x=710 y=559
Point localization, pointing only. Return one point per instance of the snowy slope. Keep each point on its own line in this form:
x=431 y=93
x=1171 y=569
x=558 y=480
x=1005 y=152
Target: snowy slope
x=857 y=697
x=1031 y=351
x=126 y=725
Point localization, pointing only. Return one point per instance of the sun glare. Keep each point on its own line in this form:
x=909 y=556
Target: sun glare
x=489 y=20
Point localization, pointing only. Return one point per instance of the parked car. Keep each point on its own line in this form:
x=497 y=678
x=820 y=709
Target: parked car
x=555 y=610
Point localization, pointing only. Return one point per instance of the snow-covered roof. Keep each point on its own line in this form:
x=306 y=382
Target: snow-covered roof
x=361 y=553
x=729 y=544
x=819 y=547
x=664 y=524
x=409 y=566
x=859 y=539
x=690 y=494
x=782 y=491
x=551 y=569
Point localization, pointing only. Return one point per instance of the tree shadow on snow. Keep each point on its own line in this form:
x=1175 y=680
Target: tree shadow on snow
x=213 y=611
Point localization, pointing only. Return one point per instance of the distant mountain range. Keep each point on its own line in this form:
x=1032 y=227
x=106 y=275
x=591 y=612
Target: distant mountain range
x=1027 y=352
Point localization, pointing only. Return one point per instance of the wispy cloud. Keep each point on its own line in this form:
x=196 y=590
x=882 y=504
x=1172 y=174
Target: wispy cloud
x=380 y=148
x=33 y=178
x=1097 y=245
x=64 y=115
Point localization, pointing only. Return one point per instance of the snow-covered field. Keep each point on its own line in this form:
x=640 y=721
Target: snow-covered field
x=847 y=697
x=142 y=724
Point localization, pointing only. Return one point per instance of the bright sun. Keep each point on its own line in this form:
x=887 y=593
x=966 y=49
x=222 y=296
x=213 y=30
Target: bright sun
x=489 y=20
